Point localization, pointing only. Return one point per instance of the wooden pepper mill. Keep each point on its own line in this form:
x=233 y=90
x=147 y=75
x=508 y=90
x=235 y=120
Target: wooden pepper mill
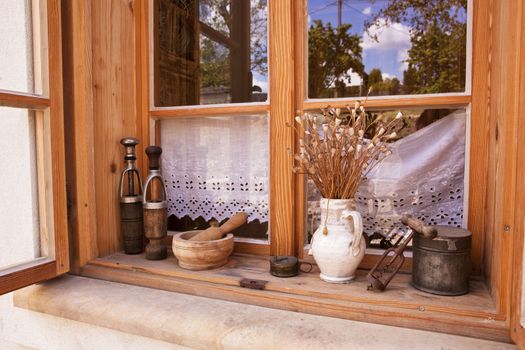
x=130 y=194
x=155 y=208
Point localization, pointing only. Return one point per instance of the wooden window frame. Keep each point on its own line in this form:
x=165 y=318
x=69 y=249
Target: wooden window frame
x=287 y=98
x=287 y=67
x=49 y=155
x=491 y=108
x=281 y=114
x=472 y=99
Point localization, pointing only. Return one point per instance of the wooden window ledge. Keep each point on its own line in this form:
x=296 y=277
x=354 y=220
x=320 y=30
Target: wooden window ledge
x=473 y=315
x=204 y=323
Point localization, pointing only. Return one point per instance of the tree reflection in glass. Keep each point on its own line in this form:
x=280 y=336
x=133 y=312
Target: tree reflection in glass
x=210 y=51
x=392 y=46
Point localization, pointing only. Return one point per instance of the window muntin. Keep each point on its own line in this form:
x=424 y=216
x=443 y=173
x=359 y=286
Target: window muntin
x=210 y=52
x=394 y=47
x=422 y=100
x=215 y=167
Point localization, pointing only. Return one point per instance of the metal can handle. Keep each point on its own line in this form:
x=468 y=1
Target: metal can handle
x=149 y=180
x=301 y=263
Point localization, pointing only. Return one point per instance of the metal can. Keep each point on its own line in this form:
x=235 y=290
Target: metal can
x=442 y=265
x=287 y=266
x=284 y=266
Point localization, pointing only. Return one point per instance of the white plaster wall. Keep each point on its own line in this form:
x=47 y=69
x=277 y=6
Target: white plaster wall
x=16 y=64
x=19 y=227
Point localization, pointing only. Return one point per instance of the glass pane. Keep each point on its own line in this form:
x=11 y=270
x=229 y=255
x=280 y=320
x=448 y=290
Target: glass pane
x=19 y=231
x=394 y=47
x=210 y=52
x=424 y=177
x=215 y=167
x=21 y=46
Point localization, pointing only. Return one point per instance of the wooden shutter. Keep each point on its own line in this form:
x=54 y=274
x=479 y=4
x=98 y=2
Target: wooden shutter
x=49 y=141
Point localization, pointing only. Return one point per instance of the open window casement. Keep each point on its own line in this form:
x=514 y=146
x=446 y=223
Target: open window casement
x=33 y=227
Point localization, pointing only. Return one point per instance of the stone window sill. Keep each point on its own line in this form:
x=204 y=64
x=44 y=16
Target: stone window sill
x=204 y=323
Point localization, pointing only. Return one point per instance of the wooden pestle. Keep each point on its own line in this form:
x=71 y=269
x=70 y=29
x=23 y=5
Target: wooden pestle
x=419 y=227
x=213 y=233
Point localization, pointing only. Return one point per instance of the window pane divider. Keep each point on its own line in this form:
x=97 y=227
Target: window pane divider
x=212 y=110
x=8 y=270
x=406 y=101
x=22 y=275
x=23 y=100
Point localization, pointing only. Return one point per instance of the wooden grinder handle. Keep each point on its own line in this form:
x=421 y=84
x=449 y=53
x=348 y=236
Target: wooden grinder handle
x=214 y=233
x=419 y=226
x=232 y=223
x=153 y=153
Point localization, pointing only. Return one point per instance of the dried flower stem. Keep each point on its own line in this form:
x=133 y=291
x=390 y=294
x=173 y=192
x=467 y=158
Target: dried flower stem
x=334 y=152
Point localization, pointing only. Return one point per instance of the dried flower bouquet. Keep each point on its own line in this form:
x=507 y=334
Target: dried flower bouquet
x=334 y=152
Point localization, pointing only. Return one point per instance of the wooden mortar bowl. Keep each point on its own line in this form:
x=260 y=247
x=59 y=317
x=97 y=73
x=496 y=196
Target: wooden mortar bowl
x=201 y=255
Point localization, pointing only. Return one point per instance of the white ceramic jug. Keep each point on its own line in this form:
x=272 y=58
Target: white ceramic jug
x=339 y=252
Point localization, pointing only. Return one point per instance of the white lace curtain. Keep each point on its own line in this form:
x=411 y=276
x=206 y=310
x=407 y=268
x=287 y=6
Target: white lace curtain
x=423 y=177
x=217 y=166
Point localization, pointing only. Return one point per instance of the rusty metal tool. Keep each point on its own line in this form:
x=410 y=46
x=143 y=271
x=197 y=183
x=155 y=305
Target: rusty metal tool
x=385 y=269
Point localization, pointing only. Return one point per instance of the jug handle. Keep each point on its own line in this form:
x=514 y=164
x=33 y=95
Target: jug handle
x=358 y=229
x=310 y=251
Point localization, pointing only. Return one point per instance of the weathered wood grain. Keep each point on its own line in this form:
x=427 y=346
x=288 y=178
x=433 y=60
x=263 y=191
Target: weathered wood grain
x=282 y=111
x=23 y=100
x=78 y=107
x=517 y=331
x=114 y=109
x=56 y=167
x=401 y=305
